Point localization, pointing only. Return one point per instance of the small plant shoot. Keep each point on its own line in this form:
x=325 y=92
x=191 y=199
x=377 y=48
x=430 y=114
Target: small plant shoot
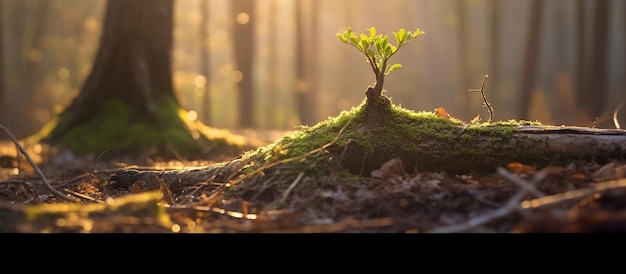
x=378 y=50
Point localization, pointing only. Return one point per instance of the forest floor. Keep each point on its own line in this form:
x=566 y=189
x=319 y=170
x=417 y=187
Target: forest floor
x=583 y=196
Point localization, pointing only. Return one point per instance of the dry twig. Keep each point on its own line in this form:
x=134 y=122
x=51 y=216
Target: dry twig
x=574 y=194
x=32 y=163
x=295 y=182
x=512 y=205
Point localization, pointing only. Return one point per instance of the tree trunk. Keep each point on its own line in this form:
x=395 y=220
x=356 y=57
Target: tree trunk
x=204 y=59
x=495 y=11
x=127 y=106
x=2 y=99
x=133 y=63
x=583 y=97
x=464 y=53
x=305 y=40
x=272 y=66
x=242 y=12
x=530 y=58
x=598 y=89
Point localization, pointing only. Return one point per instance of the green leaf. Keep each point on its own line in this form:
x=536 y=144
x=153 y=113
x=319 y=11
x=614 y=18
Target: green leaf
x=400 y=36
x=364 y=37
x=353 y=39
x=388 y=51
x=372 y=33
x=392 y=68
x=418 y=32
x=378 y=42
x=371 y=53
x=342 y=38
x=365 y=44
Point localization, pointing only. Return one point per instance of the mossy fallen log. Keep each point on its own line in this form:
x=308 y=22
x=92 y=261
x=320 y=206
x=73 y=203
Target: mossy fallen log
x=423 y=140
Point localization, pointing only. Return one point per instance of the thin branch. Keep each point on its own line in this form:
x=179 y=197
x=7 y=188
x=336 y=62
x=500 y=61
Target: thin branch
x=482 y=91
x=32 y=163
x=530 y=188
x=514 y=204
x=295 y=182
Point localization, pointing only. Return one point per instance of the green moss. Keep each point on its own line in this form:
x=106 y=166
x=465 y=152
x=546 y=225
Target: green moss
x=414 y=136
x=80 y=217
x=116 y=130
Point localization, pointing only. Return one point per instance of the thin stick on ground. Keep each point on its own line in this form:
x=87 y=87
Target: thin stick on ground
x=573 y=194
x=32 y=163
x=514 y=204
x=295 y=182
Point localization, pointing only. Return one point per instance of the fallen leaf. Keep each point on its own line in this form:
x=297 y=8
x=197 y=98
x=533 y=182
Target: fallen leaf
x=517 y=167
x=441 y=112
x=393 y=168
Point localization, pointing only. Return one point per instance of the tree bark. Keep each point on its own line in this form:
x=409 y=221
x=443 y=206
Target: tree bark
x=305 y=58
x=598 y=88
x=205 y=61
x=495 y=11
x=581 y=53
x=133 y=63
x=530 y=58
x=243 y=35
x=464 y=53
x=2 y=99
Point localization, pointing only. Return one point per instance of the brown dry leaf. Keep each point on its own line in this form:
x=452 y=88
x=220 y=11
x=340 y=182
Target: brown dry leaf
x=517 y=167
x=393 y=168
x=611 y=171
x=441 y=112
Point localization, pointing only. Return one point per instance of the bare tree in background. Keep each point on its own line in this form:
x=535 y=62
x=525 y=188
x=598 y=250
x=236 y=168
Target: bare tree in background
x=305 y=58
x=2 y=99
x=598 y=87
x=29 y=22
x=204 y=59
x=242 y=12
x=132 y=64
x=273 y=77
x=530 y=58
x=464 y=53
x=581 y=73
x=495 y=7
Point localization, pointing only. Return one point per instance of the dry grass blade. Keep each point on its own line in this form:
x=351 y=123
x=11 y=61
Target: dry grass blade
x=615 y=120
x=32 y=163
x=574 y=194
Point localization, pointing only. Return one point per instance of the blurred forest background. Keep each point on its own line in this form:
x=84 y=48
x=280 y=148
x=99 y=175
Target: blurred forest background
x=557 y=61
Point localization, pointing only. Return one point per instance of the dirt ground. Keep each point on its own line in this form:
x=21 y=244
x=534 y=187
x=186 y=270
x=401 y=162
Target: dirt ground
x=583 y=196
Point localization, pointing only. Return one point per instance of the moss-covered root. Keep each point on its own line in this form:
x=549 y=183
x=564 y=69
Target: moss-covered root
x=171 y=134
